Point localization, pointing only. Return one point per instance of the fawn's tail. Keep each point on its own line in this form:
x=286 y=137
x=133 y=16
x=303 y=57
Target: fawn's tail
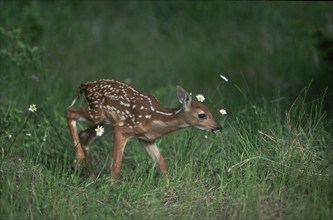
x=80 y=90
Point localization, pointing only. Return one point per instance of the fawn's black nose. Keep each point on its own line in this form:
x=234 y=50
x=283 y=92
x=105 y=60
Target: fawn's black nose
x=217 y=129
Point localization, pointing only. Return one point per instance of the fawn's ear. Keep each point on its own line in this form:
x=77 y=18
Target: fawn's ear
x=184 y=97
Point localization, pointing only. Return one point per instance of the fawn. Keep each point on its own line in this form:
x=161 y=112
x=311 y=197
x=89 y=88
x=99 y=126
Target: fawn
x=133 y=115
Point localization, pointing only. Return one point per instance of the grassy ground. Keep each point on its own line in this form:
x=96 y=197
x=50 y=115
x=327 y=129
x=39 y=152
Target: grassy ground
x=274 y=159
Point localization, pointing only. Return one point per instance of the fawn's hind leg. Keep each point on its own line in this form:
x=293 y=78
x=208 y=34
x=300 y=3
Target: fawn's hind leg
x=86 y=137
x=119 y=141
x=74 y=115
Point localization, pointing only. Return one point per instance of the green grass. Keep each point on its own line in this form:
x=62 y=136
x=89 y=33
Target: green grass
x=273 y=160
x=264 y=165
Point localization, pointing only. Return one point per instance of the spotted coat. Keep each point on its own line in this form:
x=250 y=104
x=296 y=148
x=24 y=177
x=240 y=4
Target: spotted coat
x=120 y=103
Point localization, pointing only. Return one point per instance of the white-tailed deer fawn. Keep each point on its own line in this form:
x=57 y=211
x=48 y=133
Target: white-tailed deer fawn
x=133 y=115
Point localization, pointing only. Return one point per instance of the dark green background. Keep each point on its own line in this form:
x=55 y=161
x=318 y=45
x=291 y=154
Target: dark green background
x=267 y=49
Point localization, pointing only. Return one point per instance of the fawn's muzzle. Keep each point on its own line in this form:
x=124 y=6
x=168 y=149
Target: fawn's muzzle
x=217 y=129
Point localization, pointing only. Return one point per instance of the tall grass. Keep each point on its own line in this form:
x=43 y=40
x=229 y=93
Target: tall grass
x=267 y=163
x=273 y=159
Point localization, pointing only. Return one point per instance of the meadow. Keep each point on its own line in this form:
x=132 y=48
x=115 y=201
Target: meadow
x=273 y=160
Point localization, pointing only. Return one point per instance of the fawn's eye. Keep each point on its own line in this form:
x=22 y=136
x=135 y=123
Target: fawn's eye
x=202 y=116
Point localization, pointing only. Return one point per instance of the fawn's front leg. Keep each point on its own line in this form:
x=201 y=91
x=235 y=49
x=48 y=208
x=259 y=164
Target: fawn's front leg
x=154 y=153
x=120 y=141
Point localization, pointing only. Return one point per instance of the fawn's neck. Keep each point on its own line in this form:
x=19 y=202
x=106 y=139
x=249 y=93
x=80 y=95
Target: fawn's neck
x=171 y=120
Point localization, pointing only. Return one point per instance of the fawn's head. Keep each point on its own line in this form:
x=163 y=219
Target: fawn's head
x=196 y=114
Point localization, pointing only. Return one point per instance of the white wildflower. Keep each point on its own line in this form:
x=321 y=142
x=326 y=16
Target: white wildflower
x=10 y=136
x=33 y=108
x=224 y=78
x=28 y=134
x=223 y=112
x=45 y=136
x=200 y=98
x=99 y=130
